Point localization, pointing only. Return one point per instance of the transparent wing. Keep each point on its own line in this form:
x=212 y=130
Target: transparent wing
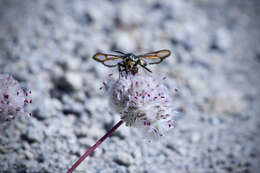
x=108 y=60
x=156 y=57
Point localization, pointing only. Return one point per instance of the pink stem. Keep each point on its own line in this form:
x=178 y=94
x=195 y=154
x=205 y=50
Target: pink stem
x=76 y=164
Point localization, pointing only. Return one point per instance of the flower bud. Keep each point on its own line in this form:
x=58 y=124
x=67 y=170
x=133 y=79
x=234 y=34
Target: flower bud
x=12 y=98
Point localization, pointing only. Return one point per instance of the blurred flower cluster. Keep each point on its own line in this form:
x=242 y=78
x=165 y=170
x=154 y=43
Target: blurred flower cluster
x=12 y=98
x=143 y=102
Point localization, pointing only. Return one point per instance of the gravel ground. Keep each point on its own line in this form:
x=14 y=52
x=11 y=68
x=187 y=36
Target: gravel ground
x=47 y=46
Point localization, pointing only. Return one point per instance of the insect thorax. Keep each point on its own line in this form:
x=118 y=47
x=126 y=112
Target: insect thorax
x=130 y=63
x=131 y=57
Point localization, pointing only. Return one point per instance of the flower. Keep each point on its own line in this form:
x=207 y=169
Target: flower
x=12 y=98
x=143 y=102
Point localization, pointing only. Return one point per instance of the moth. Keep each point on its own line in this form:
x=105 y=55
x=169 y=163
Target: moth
x=129 y=63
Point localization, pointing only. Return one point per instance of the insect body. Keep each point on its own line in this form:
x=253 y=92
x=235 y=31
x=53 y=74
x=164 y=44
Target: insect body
x=129 y=62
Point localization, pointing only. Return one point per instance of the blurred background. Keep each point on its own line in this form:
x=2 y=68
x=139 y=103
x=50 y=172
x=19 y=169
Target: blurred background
x=48 y=46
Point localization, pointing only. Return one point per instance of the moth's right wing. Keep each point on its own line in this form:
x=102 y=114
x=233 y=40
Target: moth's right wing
x=156 y=57
x=108 y=60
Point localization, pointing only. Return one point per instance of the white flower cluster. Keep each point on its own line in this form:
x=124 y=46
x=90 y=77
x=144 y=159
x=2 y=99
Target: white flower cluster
x=12 y=98
x=143 y=102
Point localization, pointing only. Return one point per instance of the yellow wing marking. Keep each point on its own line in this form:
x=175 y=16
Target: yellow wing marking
x=160 y=55
x=108 y=60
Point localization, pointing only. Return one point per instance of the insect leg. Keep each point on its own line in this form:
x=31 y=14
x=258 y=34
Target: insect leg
x=143 y=64
x=120 y=69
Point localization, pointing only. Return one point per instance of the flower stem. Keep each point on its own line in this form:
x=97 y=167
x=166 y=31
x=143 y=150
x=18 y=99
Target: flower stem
x=76 y=164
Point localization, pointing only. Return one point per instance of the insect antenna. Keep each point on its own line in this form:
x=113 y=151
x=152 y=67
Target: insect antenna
x=117 y=51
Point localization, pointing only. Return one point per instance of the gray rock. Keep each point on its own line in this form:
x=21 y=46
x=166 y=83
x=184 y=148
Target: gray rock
x=124 y=41
x=33 y=133
x=123 y=159
x=195 y=137
x=74 y=80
